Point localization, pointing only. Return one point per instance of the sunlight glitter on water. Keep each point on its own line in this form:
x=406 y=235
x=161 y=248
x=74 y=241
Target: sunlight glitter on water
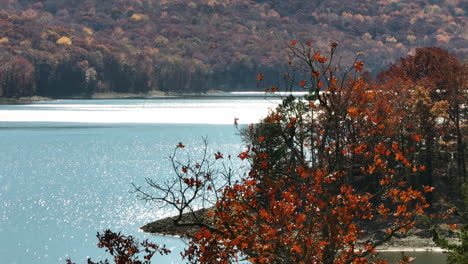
x=182 y=111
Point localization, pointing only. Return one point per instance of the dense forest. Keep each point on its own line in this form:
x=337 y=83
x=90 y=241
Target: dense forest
x=65 y=48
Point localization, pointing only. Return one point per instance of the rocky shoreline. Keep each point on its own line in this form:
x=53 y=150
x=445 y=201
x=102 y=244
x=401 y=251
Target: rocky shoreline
x=417 y=239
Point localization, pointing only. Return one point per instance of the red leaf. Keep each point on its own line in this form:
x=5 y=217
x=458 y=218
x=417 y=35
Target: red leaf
x=302 y=83
x=358 y=66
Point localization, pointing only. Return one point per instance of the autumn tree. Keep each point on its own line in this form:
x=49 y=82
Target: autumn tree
x=327 y=179
x=435 y=82
x=17 y=78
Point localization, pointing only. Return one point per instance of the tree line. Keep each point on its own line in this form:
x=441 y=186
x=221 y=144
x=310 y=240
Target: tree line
x=196 y=45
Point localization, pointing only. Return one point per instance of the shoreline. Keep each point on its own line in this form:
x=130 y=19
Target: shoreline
x=416 y=240
x=103 y=96
x=382 y=249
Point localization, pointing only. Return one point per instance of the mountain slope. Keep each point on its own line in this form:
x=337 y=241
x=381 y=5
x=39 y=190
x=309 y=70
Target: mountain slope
x=82 y=47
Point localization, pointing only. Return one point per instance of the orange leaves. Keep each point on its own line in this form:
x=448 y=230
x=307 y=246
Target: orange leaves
x=274 y=89
x=453 y=226
x=273 y=117
x=319 y=58
x=382 y=149
x=259 y=77
x=316 y=56
x=416 y=137
x=203 y=233
x=323 y=243
x=297 y=249
x=322 y=60
x=180 y=145
x=303 y=173
x=250 y=183
x=358 y=66
x=210 y=214
x=316 y=74
x=353 y=112
x=399 y=156
x=428 y=189
x=243 y=155
x=360 y=149
x=263 y=213
x=383 y=210
x=302 y=83
x=333 y=169
x=401 y=209
x=301 y=218
x=292 y=122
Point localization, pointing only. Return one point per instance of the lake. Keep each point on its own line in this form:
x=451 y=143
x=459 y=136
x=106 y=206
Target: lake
x=67 y=168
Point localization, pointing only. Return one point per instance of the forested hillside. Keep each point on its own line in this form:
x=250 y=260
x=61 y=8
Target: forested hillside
x=62 y=48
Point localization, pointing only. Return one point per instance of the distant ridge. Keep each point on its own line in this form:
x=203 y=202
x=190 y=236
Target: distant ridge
x=135 y=46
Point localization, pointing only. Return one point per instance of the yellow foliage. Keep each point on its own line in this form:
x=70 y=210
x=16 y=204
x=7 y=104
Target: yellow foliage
x=161 y=41
x=25 y=43
x=64 y=41
x=440 y=109
x=138 y=17
x=192 y=5
x=411 y=38
x=89 y=40
x=88 y=31
x=366 y=35
x=4 y=40
x=391 y=39
x=359 y=17
x=212 y=2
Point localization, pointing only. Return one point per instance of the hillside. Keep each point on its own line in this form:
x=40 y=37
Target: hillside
x=61 y=48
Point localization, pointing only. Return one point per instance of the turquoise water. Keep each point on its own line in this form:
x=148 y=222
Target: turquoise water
x=61 y=182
